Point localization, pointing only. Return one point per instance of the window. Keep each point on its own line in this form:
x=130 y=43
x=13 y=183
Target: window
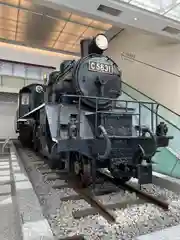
x=25 y=99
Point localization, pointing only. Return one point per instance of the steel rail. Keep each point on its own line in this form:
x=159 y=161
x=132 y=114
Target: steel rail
x=141 y=194
x=75 y=237
x=90 y=198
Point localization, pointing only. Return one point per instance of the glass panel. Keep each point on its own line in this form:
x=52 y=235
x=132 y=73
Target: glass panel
x=53 y=35
x=26 y=4
x=59 y=26
x=25 y=99
x=101 y=25
x=13 y=2
x=162 y=111
x=8 y=24
x=174 y=13
x=6 y=68
x=80 y=19
x=165 y=162
x=20 y=37
x=12 y=82
x=67 y=38
x=72 y=48
x=134 y=93
x=45 y=71
x=31 y=81
x=19 y=70
x=8 y=12
x=49 y=44
x=33 y=73
x=7 y=34
x=90 y=32
x=61 y=14
x=73 y=27
x=166 y=159
x=158 y=6
x=25 y=16
x=59 y=45
x=21 y=27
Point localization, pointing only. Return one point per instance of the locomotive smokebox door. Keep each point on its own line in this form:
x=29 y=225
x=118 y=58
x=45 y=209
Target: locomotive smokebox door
x=144 y=174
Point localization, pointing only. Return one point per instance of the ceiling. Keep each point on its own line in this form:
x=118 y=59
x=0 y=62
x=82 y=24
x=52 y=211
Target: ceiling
x=154 y=16
x=59 y=25
x=26 y=23
x=167 y=8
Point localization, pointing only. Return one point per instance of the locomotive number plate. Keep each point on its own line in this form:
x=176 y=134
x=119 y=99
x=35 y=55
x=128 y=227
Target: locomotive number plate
x=100 y=67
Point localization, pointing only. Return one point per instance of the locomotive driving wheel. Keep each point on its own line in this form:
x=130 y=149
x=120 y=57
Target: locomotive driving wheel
x=82 y=169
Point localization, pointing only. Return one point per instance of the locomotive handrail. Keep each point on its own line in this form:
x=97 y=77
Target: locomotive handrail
x=157 y=115
x=108 y=144
x=104 y=98
x=141 y=103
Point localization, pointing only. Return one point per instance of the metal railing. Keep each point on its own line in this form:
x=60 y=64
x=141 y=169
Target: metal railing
x=171 y=118
x=118 y=104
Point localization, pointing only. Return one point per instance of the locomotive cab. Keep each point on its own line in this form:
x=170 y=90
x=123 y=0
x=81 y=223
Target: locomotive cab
x=24 y=99
x=30 y=98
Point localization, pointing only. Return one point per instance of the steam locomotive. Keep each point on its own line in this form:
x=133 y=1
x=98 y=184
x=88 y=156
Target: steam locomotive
x=74 y=120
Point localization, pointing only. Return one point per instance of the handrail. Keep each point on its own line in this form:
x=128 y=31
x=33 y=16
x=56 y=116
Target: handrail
x=151 y=99
x=153 y=111
x=150 y=65
x=160 y=69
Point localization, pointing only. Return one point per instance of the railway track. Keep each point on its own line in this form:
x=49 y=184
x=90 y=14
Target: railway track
x=93 y=197
x=140 y=193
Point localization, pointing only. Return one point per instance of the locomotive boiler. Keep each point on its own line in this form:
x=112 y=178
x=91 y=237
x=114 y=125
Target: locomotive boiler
x=81 y=127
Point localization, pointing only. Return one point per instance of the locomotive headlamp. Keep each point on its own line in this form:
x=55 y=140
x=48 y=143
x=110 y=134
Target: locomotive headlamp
x=95 y=45
x=101 y=42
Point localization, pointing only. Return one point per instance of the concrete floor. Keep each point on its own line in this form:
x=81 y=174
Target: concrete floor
x=9 y=227
x=20 y=211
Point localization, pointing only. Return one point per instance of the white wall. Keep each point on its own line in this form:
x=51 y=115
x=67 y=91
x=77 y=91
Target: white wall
x=7 y=120
x=13 y=84
x=30 y=55
x=154 y=50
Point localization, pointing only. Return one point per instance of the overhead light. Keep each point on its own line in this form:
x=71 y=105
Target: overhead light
x=135 y=19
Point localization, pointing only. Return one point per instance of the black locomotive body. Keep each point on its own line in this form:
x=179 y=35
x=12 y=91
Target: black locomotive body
x=30 y=97
x=81 y=127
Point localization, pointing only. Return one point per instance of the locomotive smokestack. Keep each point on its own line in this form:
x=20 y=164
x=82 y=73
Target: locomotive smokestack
x=85 y=46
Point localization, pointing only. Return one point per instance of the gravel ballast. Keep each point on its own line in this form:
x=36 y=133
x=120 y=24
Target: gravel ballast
x=131 y=222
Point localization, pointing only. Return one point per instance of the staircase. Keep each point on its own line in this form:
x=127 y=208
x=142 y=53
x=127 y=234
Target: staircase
x=167 y=160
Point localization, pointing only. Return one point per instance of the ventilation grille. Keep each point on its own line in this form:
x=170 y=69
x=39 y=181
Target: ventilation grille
x=171 y=30
x=109 y=10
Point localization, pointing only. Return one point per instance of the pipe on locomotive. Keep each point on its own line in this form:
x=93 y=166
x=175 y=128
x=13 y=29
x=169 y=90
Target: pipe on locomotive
x=96 y=45
x=108 y=144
